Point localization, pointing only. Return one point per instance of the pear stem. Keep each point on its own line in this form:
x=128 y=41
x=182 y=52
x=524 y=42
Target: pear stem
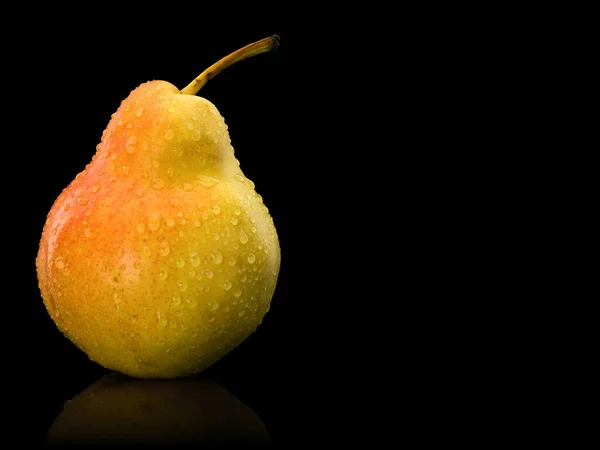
x=256 y=48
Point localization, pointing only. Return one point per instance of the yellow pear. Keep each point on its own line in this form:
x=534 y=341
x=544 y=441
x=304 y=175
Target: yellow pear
x=160 y=257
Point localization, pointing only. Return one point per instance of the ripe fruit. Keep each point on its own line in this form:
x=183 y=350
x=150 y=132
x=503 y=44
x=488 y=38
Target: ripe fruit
x=159 y=257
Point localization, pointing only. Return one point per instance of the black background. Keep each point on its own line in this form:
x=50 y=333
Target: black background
x=363 y=133
x=402 y=156
x=293 y=133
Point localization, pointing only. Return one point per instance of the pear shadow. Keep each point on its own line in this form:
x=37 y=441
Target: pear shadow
x=193 y=412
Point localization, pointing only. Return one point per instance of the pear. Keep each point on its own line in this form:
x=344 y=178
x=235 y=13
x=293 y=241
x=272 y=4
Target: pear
x=160 y=257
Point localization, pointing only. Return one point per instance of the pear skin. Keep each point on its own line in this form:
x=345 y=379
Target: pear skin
x=160 y=257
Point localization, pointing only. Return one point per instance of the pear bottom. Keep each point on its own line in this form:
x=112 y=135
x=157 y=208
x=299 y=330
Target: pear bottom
x=151 y=289
x=162 y=341
x=158 y=281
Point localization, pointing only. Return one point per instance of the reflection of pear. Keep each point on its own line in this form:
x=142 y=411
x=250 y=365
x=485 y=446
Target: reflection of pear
x=118 y=409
